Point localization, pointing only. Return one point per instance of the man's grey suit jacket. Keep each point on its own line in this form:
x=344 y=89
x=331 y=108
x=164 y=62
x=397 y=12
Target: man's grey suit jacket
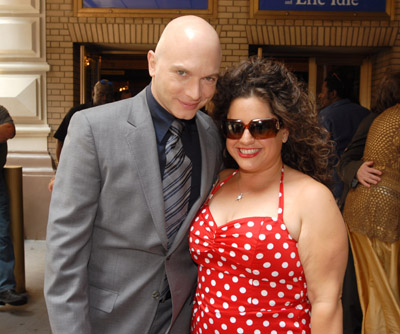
x=106 y=242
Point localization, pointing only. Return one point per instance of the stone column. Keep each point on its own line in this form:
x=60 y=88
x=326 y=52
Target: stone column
x=23 y=69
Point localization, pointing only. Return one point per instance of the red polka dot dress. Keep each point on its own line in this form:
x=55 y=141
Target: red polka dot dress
x=250 y=278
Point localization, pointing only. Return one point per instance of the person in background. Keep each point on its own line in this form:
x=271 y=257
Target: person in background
x=340 y=117
x=371 y=213
x=102 y=93
x=8 y=295
x=270 y=242
x=353 y=170
x=133 y=173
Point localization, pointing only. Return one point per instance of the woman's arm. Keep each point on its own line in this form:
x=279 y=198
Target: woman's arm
x=323 y=249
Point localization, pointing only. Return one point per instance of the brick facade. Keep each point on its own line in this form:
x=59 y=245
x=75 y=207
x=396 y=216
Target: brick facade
x=236 y=28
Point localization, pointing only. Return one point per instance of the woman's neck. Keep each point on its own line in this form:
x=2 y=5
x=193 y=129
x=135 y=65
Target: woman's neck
x=249 y=181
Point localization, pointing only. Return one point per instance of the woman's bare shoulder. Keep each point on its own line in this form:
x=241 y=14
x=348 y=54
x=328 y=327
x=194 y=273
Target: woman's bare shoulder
x=298 y=182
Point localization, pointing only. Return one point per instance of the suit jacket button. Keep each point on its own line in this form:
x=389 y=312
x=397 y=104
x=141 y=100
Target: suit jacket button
x=156 y=294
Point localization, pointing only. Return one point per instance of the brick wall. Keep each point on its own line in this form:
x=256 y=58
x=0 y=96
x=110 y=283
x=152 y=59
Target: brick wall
x=236 y=28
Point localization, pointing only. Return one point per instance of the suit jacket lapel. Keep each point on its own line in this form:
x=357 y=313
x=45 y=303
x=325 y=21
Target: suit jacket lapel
x=141 y=138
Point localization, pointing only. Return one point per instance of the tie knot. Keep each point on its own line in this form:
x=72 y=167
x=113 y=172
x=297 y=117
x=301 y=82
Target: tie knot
x=176 y=127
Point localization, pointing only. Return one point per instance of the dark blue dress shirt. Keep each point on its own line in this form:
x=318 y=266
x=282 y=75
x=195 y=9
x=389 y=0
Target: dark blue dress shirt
x=162 y=121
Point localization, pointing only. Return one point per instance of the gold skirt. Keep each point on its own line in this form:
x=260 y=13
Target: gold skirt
x=377 y=266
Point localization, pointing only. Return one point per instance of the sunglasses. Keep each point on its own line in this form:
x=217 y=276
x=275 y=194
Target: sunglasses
x=262 y=128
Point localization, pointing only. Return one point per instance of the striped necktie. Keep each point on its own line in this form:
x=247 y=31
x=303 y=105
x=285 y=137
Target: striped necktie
x=176 y=182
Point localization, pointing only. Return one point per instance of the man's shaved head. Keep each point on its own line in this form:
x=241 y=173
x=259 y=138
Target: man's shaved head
x=184 y=66
x=187 y=29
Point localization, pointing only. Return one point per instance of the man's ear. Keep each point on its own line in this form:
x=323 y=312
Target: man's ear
x=151 y=60
x=333 y=94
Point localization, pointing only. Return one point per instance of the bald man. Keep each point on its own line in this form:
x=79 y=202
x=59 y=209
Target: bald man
x=111 y=266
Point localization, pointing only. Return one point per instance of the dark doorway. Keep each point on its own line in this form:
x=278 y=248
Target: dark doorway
x=346 y=63
x=127 y=69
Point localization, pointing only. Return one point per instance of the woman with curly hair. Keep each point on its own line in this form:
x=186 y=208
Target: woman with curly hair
x=270 y=242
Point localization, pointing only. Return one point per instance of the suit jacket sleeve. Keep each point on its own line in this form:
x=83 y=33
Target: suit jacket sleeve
x=72 y=211
x=351 y=159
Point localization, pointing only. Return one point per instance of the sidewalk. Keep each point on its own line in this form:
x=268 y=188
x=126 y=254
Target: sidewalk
x=32 y=317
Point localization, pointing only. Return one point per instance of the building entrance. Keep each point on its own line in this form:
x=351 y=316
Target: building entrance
x=126 y=69
x=313 y=65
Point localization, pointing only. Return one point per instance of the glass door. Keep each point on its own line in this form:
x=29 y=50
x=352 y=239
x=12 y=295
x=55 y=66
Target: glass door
x=312 y=66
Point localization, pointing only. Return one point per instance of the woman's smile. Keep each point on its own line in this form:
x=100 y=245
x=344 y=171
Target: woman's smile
x=248 y=152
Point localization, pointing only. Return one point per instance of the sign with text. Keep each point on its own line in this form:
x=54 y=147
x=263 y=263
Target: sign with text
x=146 y=4
x=324 y=5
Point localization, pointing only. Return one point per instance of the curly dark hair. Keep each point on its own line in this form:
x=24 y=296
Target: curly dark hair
x=388 y=93
x=308 y=148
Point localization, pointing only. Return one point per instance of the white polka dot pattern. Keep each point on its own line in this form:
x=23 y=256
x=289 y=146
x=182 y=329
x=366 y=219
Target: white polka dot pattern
x=250 y=278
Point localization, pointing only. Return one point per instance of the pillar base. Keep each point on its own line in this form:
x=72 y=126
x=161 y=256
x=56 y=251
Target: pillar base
x=37 y=171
